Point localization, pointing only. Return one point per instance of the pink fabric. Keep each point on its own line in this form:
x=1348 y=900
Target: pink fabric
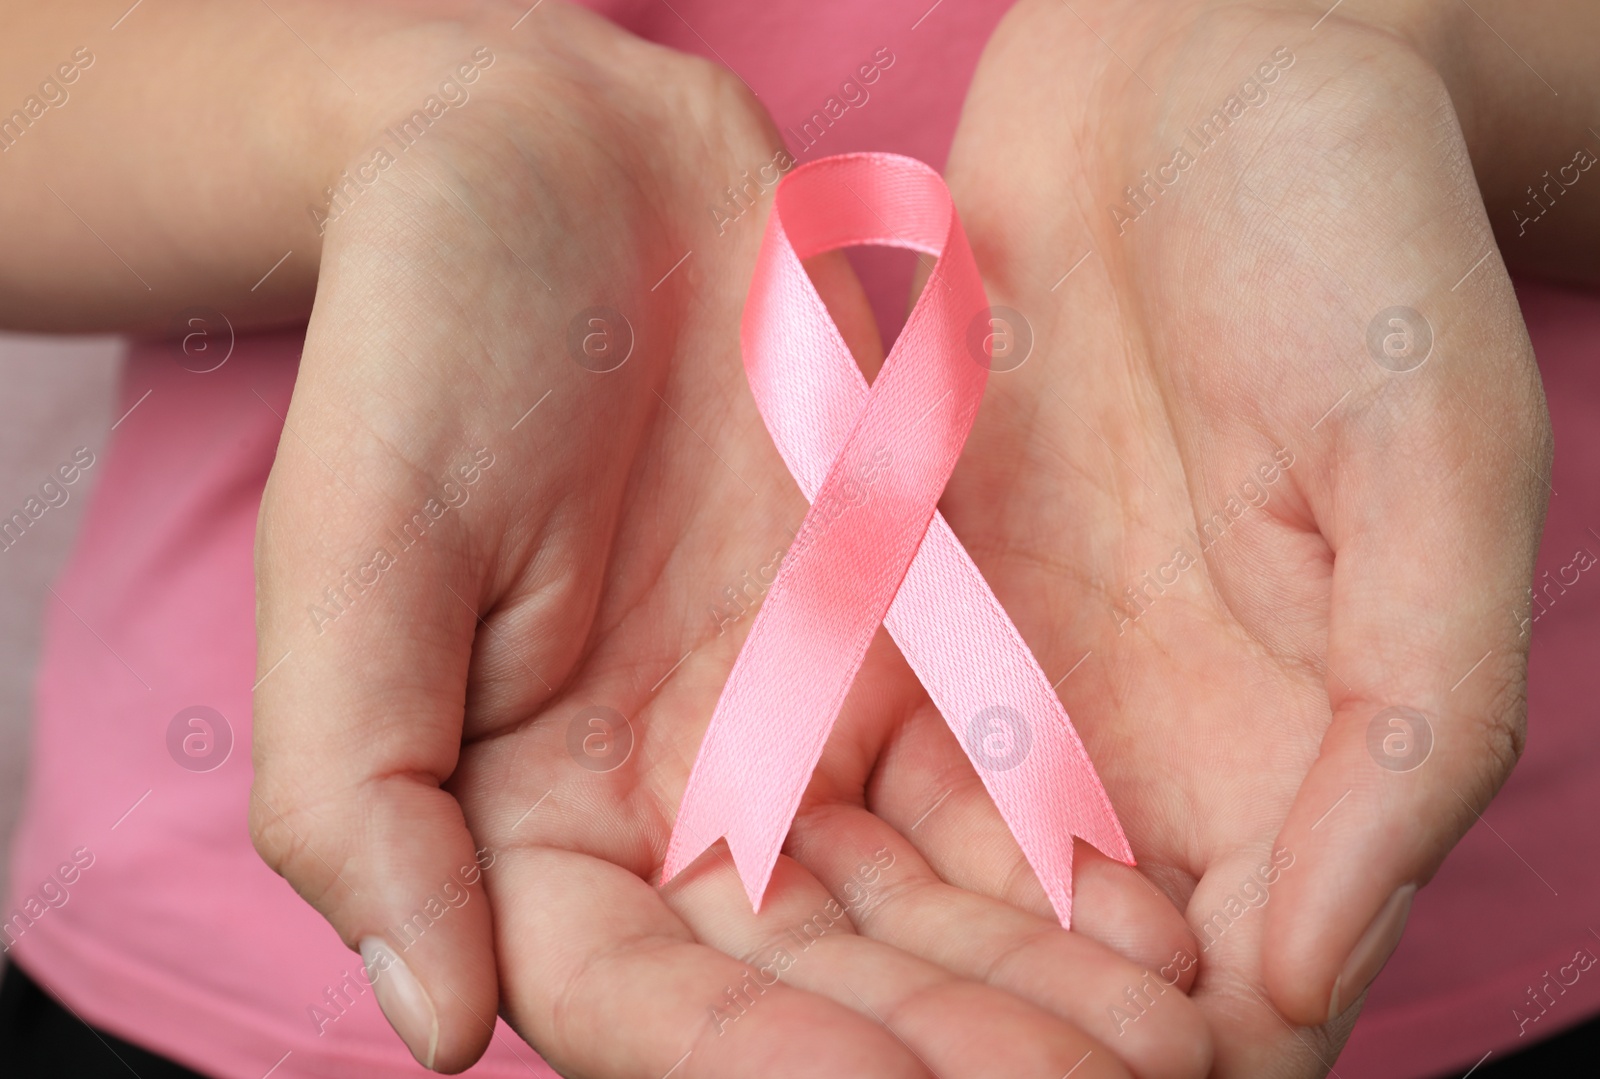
x=862 y=548
x=176 y=937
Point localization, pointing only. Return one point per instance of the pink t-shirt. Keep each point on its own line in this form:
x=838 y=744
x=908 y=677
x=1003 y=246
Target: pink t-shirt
x=147 y=911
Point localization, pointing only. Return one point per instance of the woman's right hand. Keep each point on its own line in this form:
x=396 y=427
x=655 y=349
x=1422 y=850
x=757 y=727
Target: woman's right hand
x=519 y=481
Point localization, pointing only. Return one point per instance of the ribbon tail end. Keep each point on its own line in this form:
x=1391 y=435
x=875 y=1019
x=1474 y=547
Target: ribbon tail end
x=1102 y=830
x=683 y=851
x=754 y=857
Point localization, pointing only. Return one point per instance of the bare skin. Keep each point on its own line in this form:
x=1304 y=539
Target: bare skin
x=410 y=733
x=1257 y=533
x=593 y=548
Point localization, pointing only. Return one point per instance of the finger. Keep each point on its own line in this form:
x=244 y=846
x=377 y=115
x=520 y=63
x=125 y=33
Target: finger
x=891 y=895
x=927 y=788
x=610 y=984
x=1433 y=524
x=803 y=938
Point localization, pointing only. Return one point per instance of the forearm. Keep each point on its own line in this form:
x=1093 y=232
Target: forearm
x=174 y=160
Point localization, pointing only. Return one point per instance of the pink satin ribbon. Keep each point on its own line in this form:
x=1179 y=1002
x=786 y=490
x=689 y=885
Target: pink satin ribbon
x=873 y=548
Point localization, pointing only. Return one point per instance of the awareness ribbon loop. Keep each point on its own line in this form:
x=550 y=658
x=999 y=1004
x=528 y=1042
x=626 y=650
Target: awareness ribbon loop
x=866 y=556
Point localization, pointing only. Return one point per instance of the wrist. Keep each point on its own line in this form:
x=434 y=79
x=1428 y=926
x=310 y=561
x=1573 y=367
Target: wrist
x=1522 y=81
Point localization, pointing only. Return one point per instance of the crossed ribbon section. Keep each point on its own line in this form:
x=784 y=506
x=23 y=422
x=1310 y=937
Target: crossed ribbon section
x=873 y=548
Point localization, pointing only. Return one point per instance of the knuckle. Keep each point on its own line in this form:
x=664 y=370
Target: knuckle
x=726 y=110
x=278 y=827
x=1506 y=721
x=1023 y=948
x=275 y=841
x=891 y=896
x=1500 y=728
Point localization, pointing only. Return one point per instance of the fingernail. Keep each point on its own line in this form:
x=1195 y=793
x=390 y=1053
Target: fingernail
x=403 y=1000
x=1371 y=952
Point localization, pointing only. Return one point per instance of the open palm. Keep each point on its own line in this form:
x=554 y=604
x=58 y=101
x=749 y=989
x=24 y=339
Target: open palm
x=1281 y=555
x=521 y=384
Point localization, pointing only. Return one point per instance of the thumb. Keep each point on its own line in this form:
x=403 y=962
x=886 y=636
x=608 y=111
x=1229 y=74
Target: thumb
x=1434 y=524
x=364 y=653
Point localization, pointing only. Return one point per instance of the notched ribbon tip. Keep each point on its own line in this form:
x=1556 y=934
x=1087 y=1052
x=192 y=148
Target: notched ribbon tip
x=751 y=860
